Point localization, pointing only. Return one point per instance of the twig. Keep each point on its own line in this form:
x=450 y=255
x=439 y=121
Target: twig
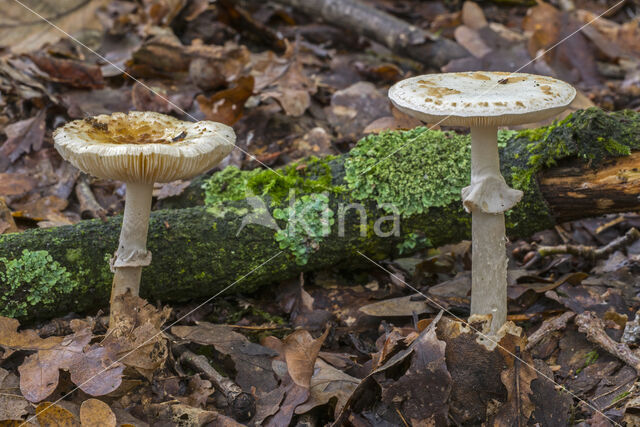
x=555 y=324
x=589 y=324
x=242 y=404
x=394 y=33
x=591 y=252
x=89 y=206
x=516 y=383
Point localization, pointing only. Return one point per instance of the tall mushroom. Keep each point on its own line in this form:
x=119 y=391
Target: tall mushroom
x=140 y=148
x=483 y=101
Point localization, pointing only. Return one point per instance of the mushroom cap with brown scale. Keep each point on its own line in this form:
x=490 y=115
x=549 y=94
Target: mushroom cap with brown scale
x=481 y=98
x=143 y=147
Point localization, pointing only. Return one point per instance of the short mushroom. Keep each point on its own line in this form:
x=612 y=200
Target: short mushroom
x=140 y=148
x=483 y=101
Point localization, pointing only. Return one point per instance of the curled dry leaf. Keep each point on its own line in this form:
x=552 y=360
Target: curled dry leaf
x=138 y=340
x=300 y=353
x=328 y=383
x=29 y=339
x=285 y=80
x=96 y=413
x=23 y=137
x=422 y=393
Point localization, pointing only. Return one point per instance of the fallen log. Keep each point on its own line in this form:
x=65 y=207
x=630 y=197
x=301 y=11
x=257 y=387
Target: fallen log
x=394 y=33
x=392 y=194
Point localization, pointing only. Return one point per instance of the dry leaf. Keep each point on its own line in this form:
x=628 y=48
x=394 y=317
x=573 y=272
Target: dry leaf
x=23 y=340
x=300 y=353
x=328 y=383
x=96 y=413
x=24 y=136
x=22 y=30
x=252 y=361
x=52 y=415
x=227 y=106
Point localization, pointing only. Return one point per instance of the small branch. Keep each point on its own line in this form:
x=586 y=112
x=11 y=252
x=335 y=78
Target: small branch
x=591 y=252
x=589 y=324
x=89 y=206
x=242 y=404
x=555 y=324
x=394 y=33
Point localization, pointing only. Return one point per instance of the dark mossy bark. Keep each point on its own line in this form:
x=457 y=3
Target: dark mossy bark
x=200 y=251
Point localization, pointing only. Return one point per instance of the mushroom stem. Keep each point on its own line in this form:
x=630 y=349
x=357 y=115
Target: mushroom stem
x=132 y=252
x=489 y=258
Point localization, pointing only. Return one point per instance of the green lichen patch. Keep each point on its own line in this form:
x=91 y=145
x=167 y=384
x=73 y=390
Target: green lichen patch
x=312 y=175
x=33 y=279
x=412 y=170
x=308 y=222
x=591 y=135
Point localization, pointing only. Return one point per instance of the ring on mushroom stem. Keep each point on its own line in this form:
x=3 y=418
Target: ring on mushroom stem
x=483 y=101
x=140 y=148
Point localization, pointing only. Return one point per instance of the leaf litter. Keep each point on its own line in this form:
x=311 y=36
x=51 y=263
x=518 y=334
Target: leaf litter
x=351 y=346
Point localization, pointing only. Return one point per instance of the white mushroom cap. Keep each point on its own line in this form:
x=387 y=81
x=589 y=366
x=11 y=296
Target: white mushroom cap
x=481 y=98
x=143 y=147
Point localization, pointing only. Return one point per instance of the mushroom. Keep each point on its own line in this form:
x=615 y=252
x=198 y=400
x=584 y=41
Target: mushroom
x=140 y=148
x=483 y=101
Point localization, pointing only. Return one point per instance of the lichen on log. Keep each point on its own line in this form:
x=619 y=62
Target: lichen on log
x=200 y=250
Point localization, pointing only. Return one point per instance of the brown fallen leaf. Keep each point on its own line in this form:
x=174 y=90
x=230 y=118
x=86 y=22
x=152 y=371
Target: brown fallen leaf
x=12 y=405
x=285 y=80
x=353 y=108
x=22 y=31
x=214 y=66
x=161 y=55
x=29 y=339
x=138 y=340
x=23 y=137
x=52 y=415
x=68 y=71
x=227 y=106
x=543 y=22
x=517 y=379
x=96 y=413
x=13 y=184
x=42 y=208
x=7 y=224
x=169 y=189
x=90 y=370
x=300 y=353
x=328 y=383
x=252 y=362
x=422 y=393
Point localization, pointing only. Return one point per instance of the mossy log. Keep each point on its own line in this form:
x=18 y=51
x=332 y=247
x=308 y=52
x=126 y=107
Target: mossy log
x=580 y=167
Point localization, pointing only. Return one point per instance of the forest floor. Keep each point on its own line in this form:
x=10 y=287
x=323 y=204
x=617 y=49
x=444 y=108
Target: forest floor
x=345 y=346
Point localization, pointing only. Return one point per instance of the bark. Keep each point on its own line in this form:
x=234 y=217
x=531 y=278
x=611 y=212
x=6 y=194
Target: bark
x=394 y=33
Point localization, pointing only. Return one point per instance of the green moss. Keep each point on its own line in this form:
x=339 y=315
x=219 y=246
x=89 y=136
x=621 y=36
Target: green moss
x=579 y=135
x=311 y=175
x=308 y=222
x=413 y=170
x=411 y=243
x=33 y=279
